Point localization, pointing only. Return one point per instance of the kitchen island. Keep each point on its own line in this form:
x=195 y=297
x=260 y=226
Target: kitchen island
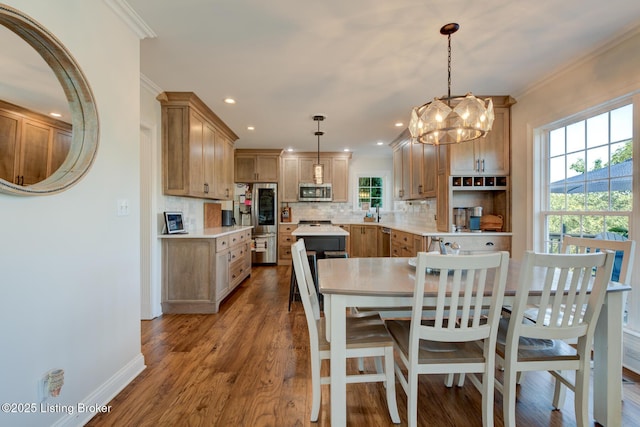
x=200 y=269
x=322 y=237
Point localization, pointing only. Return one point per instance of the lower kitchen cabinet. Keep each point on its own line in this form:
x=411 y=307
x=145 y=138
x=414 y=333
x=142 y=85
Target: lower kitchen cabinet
x=199 y=272
x=404 y=244
x=285 y=240
x=363 y=241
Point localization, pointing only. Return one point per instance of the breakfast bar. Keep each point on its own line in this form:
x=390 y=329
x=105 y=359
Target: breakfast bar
x=322 y=238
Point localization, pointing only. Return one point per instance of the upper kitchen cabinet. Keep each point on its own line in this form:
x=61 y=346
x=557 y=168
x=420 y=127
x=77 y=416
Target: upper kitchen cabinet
x=197 y=148
x=488 y=155
x=257 y=165
x=297 y=168
x=32 y=145
x=414 y=169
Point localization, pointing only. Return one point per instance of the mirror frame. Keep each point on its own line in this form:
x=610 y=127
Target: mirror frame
x=84 y=115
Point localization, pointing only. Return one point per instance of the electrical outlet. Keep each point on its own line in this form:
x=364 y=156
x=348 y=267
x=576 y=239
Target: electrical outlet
x=123 y=207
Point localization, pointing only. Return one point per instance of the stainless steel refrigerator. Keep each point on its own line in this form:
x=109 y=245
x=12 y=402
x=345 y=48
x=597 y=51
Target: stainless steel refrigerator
x=264 y=218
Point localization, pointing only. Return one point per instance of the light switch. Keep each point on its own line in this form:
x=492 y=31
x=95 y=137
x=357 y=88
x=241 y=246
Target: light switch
x=123 y=207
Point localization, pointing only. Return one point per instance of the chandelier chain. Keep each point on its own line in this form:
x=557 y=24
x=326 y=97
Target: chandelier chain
x=449 y=70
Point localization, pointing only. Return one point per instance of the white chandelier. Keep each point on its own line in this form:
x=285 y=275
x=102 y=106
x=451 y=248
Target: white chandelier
x=451 y=119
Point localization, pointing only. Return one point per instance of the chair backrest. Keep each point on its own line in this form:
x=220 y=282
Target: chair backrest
x=625 y=252
x=570 y=298
x=306 y=287
x=463 y=281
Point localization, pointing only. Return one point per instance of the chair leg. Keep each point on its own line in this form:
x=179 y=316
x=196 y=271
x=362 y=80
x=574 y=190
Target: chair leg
x=509 y=396
x=412 y=399
x=315 y=389
x=581 y=403
x=559 y=394
x=292 y=286
x=361 y=364
x=390 y=383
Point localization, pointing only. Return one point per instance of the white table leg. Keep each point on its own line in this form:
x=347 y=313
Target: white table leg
x=607 y=363
x=338 y=341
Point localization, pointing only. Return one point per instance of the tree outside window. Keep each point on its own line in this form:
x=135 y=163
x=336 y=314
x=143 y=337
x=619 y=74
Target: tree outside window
x=370 y=191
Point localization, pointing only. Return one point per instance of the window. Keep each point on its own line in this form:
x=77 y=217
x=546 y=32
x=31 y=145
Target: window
x=589 y=180
x=370 y=190
x=588 y=183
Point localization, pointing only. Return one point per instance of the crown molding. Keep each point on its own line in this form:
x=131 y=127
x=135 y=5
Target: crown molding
x=131 y=18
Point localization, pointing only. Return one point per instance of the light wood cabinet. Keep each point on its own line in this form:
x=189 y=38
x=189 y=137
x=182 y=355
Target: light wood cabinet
x=297 y=168
x=414 y=169
x=198 y=273
x=363 y=241
x=32 y=146
x=404 y=244
x=484 y=156
x=196 y=146
x=257 y=165
x=285 y=240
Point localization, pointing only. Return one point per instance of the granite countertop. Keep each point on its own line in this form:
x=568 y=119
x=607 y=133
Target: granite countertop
x=207 y=233
x=319 y=230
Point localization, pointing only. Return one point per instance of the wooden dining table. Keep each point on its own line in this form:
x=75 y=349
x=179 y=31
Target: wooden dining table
x=389 y=282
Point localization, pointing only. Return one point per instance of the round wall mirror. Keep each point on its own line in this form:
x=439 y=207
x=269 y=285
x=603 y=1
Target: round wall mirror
x=41 y=154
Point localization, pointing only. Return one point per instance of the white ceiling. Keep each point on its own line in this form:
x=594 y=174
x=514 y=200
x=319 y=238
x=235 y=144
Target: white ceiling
x=362 y=63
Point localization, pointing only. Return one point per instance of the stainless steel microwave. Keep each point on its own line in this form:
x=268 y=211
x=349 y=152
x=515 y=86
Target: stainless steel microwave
x=315 y=193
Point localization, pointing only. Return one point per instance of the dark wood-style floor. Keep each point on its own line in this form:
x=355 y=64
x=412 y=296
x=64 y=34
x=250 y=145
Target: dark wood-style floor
x=248 y=365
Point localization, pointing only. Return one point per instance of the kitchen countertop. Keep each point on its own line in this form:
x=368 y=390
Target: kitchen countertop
x=319 y=230
x=207 y=233
x=414 y=229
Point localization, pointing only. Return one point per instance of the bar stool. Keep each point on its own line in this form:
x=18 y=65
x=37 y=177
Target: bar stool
x=330 y=254
x=293 y=283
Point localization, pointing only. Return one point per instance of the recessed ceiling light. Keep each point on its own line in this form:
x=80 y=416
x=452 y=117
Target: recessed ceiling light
x=55 y=114
x=379 y=143
x=250 y=128
x=229 y=101
x=346 y=149
x=289 y=149
x=399 y=124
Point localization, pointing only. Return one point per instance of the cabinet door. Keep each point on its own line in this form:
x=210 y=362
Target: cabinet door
x=222 y=274
x=415 y=170
x=429 y=171
x=209 y=160
x=59 y=148
x=484 y=156
x=397 y=174
x=364 y=241
x=289 y=180
x=245 y=168
x=9 y=145
x=494 y=158
x=34 y=152
x=305 y=169
x=267 y=168
x=340 y=179
x=196 y=155
x=223 y=169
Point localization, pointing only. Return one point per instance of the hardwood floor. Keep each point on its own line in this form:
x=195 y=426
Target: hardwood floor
x=248 y=365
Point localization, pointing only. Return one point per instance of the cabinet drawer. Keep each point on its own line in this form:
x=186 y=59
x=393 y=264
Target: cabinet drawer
x=288 y=228
x=237 y=272
x=401 y=237
x=237 y=253
x=235 y=239
x=222 y=243
x=481 y=243
x=286 y=239
x=284 y=252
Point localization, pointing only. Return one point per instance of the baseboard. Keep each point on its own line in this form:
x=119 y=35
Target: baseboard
x=104 y=394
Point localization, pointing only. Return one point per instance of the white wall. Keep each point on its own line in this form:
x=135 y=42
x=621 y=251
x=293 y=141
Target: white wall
x=70 y=287
x=608 y=74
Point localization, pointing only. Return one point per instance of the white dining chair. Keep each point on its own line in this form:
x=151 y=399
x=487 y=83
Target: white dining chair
x=567 y=310
x=461 y=335
x=366 y=337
